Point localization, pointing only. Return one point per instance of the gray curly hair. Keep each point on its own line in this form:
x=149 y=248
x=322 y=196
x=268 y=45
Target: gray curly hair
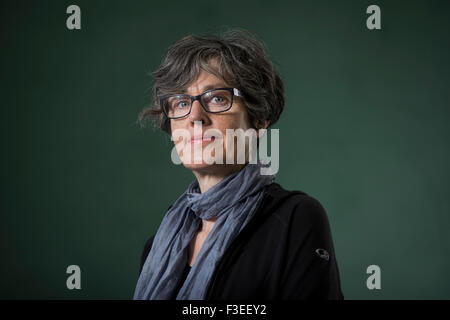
x=239 y=60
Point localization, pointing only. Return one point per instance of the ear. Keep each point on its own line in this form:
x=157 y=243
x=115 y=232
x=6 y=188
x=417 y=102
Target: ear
x=261 y=124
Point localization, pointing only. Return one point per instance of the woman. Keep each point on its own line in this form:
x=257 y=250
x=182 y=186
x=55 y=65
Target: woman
x=234 y=233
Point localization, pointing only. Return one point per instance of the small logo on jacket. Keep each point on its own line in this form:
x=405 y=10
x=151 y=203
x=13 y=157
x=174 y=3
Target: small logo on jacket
x=322 y=253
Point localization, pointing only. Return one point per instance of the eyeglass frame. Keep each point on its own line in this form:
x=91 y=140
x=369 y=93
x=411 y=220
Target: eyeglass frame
x=233 y=91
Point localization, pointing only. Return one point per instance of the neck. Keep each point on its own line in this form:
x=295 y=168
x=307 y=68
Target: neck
x=209 y=178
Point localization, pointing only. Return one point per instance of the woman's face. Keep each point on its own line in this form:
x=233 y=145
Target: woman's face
x=197 y=144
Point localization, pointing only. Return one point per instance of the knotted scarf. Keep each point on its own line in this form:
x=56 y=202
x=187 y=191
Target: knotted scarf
x=233 y=201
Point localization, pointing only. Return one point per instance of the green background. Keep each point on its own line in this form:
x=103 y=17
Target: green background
x=365 y=131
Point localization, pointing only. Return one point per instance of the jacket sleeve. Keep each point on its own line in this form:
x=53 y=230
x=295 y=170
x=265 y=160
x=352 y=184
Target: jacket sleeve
x=311 y=270
x=147 y=247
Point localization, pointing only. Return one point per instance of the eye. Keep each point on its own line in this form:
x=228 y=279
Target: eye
x=218 y=99
x=182 y=104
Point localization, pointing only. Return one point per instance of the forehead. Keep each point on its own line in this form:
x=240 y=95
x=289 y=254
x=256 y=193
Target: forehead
x=204 y=81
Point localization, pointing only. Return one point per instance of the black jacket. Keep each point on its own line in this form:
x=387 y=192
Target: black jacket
x=284 y=252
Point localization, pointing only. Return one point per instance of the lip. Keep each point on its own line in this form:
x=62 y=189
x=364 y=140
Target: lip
x=202 y=139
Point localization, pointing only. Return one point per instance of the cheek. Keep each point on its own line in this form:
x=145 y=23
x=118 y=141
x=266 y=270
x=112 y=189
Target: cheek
x=173 y=125
x=179 y=135
x=177 y=126
x=245 y=124
x=237 y=120
x=243 y=119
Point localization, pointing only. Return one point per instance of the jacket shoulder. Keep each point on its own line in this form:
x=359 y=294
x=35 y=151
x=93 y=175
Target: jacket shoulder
x=296 y=198
x=278 y=192
x=296 y=206
x=310 y=265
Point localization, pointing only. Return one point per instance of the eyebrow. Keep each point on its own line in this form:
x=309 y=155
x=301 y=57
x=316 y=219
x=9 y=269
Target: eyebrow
x=209 y=87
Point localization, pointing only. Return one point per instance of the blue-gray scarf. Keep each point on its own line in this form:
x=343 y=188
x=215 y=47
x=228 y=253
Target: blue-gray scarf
x=233 y=200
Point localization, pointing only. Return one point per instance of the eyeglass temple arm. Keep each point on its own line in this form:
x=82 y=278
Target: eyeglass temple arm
x=237 y=93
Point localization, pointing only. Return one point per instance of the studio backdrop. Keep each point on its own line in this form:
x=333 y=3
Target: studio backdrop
x=365 y=130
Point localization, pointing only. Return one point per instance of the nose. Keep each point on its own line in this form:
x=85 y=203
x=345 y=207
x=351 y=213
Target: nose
x=198 y=113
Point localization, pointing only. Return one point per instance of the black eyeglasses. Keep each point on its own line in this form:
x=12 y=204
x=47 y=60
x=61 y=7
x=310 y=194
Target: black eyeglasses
x=217 y=100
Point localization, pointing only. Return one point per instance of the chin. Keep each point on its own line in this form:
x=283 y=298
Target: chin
x=204 y=166
x=206 y=162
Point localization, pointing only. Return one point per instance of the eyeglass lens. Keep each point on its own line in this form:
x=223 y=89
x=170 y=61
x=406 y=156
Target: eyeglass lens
x=213 y=101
